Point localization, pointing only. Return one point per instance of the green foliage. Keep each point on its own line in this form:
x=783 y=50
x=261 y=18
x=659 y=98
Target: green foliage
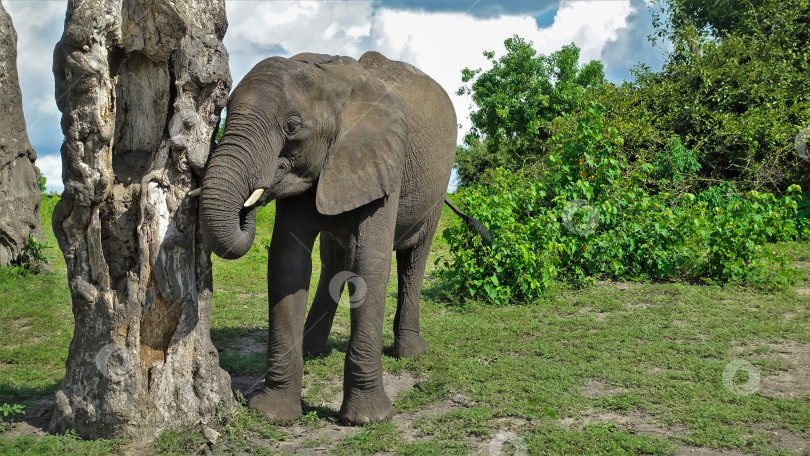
x=10 y=412
x=517 y=99
x=46 y=207
x=803 y=216
x=36 y=251
x=42 y=181
x=220 y=129
x=735 y=89
x=36 y=255
x=511 y=366
x=675 y=164
x=588 y=215
x=34 y=259
x=715 y=18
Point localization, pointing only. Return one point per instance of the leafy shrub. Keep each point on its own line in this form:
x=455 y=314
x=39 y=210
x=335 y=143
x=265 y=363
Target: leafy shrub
x=36 y=253
x=517 y=100
x=675 y=164
x=735 y=88
x=34 y=259
x=589 y=215
x=803 y=217
x=9 y=413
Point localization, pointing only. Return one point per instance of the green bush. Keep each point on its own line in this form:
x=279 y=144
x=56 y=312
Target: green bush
x=10 y=413
x=589 y=215
x=803 y=217
x=735 y=88
x=517 y=100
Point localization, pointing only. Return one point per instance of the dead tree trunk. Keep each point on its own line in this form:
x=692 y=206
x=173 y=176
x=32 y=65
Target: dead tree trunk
x=140 y=84
x=19 y=177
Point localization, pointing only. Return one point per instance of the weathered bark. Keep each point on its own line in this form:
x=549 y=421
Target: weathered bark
x=19 y=177
x=140 y=84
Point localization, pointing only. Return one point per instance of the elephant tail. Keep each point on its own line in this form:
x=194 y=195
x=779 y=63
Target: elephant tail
x=471 y=222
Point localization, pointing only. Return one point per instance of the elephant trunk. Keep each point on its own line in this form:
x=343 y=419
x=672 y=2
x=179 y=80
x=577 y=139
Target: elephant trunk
x=227 y=226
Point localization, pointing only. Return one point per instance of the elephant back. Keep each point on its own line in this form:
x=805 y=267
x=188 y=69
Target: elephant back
x=432 y=133
x=425 y=102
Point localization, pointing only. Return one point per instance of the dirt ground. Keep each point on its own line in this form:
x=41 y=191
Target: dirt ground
x=791 y=380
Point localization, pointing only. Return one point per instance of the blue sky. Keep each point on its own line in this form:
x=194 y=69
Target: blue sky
x=440 y=37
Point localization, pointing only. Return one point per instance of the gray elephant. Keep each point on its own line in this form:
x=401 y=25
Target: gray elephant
x=360 y=152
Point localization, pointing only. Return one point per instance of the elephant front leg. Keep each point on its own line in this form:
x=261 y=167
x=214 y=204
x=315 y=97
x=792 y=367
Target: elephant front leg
x=288 y=274
x=369 y=258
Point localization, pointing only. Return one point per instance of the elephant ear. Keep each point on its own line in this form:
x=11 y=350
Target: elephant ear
x=366 y=161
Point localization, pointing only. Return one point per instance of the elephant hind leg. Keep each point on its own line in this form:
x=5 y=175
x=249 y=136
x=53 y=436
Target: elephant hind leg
x=324 y=305
x=411 y=263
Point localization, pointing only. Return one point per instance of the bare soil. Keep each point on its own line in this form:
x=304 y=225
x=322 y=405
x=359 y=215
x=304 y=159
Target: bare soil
x=792 y=380
x=598 y=389
x=36 y=419
x=246 y=345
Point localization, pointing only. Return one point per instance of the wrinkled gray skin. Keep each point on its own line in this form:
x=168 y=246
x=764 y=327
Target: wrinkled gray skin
x=361 y=152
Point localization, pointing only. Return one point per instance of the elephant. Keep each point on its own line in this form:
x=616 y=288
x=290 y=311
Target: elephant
x=360 y=152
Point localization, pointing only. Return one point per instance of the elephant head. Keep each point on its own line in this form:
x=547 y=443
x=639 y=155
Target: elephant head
x=309 y=123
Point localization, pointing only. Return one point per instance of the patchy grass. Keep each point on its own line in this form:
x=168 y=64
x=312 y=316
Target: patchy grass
x=37 y=325
x=620 y=368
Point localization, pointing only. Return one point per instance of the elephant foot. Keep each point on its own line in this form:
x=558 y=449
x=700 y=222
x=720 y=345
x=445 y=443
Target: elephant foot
x=361 y=407
x=277 y=406
x=409 y=344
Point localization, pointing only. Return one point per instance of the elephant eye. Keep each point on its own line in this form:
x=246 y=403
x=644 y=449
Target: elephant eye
x=293 y=125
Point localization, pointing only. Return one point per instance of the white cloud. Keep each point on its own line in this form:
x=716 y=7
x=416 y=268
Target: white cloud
x=441 y=44
x=326 y=27
x=39 y=26
x=51 y=167
x=45 y=106
x=632 y=45
x=589 y=24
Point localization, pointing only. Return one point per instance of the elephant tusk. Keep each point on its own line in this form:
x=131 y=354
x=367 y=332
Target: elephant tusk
x=254 y=197
x=195 y=192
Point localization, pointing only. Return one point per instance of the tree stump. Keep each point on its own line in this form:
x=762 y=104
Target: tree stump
x=140 y=84
x=19 y=177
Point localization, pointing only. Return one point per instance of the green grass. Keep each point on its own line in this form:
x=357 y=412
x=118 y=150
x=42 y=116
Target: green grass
x=657 y=350
x=36 y=322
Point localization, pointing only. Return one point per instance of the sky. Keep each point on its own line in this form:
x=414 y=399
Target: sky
x=441 y=37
